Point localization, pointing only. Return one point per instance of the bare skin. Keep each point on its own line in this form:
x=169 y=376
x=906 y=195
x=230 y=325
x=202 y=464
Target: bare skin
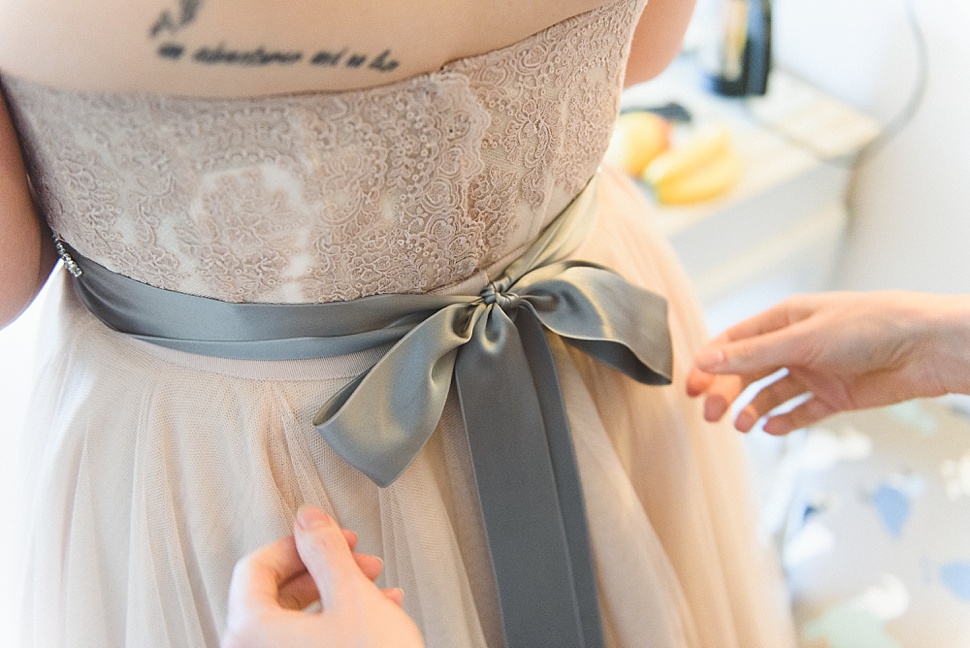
x=26 y=252
x=850 y=350
x=249 y=48
x=273 y=585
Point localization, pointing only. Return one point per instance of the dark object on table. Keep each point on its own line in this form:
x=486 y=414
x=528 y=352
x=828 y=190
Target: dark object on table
x=741 y=54
x=671 y=111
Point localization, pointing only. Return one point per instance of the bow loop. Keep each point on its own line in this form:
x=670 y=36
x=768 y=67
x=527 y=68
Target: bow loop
x=379 y=422
x=597 y=311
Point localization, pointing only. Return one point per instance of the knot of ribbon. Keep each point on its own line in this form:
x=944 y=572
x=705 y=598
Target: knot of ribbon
x=496 y=292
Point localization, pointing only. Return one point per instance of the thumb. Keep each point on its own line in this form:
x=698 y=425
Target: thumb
x=327 y=556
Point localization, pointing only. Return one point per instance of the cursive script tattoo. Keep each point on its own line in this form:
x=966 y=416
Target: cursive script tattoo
x=221 y=54
x=172 y=21
x=382 y=62
x=255 y=57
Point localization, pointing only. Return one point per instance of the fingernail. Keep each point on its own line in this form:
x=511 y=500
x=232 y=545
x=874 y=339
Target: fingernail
x=776 y=427
x=709 y=358
x=745 y=421
x=714 y=409
x=309 y=516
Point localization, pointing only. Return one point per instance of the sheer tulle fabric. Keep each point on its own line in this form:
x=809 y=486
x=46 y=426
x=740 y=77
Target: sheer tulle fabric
x=152 y=471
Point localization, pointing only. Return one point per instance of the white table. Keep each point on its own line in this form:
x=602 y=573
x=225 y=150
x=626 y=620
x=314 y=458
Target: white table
x=780 y=230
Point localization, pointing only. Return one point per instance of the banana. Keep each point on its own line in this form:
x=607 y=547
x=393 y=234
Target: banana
x=702 y=168
x=708 y=181
x=681 y=160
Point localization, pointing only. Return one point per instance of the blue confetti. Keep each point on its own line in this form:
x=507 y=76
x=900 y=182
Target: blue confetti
x=956 y=576
x=893 y=507
x=809 y=511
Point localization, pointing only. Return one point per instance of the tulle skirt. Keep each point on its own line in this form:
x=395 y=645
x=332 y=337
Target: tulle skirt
x=152 y=471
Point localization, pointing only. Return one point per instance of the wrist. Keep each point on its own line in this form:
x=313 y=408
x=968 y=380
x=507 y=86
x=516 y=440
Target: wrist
x=949 y=342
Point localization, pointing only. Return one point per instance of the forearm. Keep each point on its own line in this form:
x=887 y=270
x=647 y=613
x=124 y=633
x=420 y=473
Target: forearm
x=23 y=271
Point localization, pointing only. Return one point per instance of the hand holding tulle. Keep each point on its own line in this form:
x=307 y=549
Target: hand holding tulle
x=272 y=586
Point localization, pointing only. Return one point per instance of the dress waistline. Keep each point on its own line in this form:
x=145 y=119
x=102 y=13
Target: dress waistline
x=496 y=348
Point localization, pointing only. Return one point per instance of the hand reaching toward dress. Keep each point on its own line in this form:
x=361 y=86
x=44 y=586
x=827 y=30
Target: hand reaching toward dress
x=849 y=350
x=272 y=586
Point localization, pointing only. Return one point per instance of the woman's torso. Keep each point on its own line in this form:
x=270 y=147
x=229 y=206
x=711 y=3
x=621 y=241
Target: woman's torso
x=409 y=185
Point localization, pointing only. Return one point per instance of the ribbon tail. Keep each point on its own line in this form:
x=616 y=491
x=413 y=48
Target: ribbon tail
x=572 y=502
x=516 y=477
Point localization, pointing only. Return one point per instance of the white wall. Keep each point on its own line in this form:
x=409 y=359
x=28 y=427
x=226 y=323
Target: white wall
x=910 y=201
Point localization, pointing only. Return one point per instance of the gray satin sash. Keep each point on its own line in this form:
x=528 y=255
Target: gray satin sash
x=495 y=347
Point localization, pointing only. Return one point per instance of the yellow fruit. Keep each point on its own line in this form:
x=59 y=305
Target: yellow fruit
x=683 y=160
x=637 y=139
x=709 y=180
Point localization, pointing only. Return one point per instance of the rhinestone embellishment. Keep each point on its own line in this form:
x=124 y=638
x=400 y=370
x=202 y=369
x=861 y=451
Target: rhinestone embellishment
x=69 y=263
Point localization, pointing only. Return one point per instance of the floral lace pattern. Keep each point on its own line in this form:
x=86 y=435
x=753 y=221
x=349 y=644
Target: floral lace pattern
x=405 y=188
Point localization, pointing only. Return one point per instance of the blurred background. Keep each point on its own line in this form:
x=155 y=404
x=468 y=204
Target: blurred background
x=910 y=201
x=854 y=173
x=877 y=93
x=850 y=172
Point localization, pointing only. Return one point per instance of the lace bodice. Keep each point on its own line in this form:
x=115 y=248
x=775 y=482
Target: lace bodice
x=405 y=188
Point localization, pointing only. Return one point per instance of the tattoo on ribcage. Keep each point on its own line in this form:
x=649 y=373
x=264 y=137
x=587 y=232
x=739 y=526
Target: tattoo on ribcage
x=172 y=21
